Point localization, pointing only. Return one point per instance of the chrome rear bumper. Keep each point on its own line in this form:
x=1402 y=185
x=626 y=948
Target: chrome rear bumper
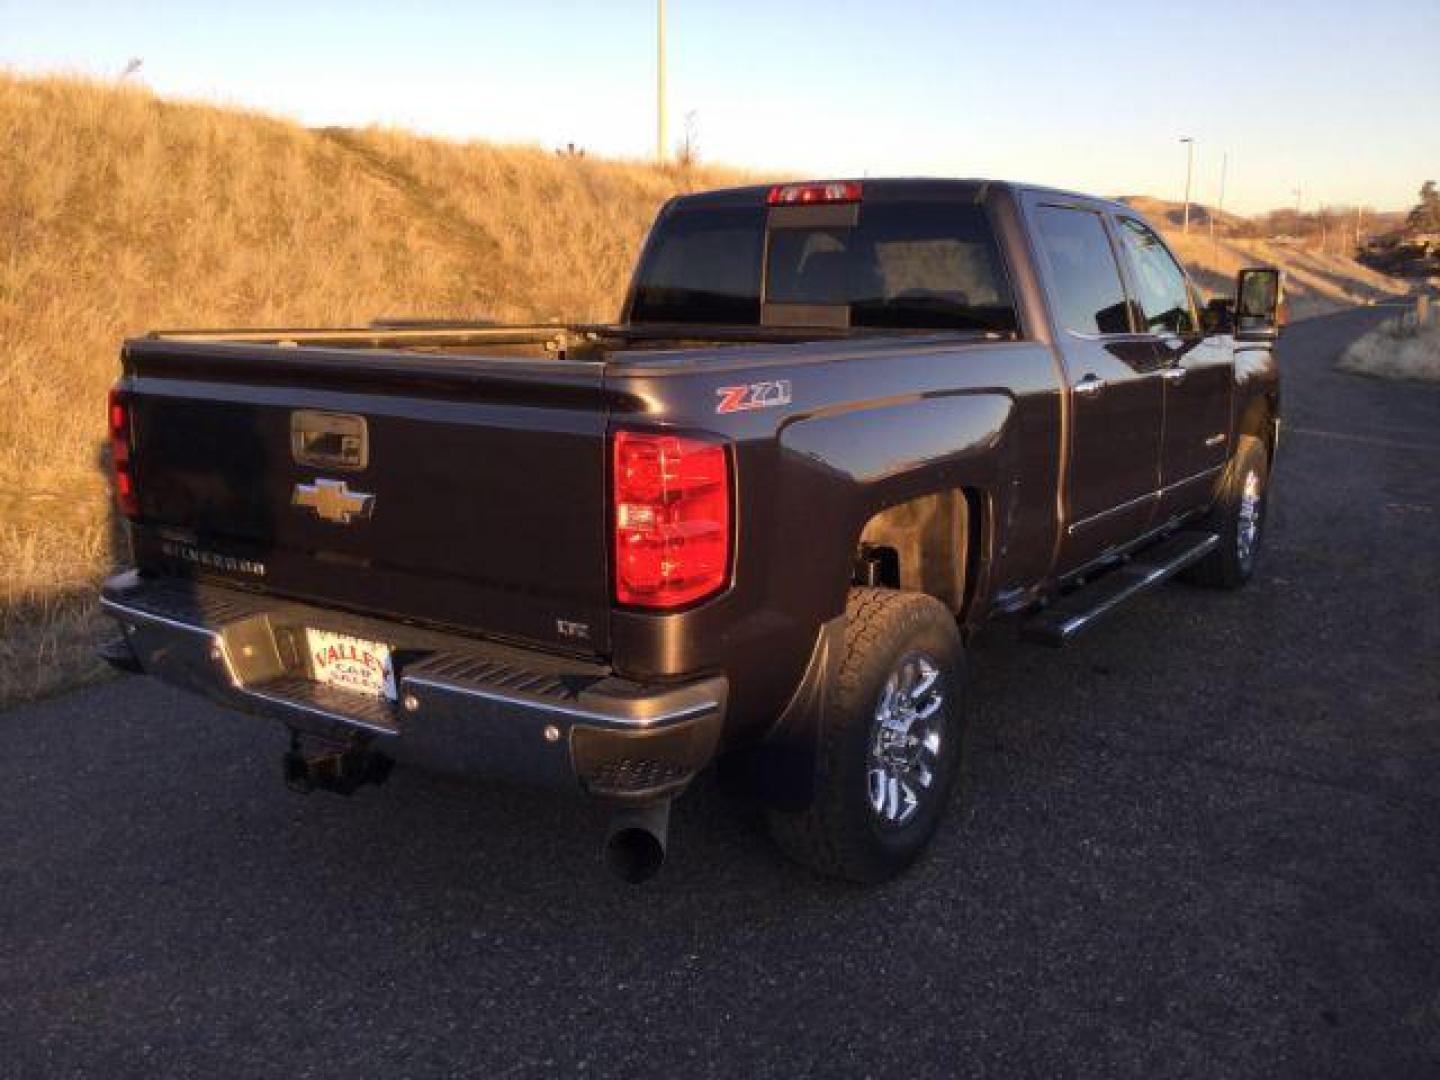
x=464 y=706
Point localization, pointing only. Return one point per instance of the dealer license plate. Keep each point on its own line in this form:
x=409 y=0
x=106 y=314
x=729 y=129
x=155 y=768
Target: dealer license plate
x=351 y=663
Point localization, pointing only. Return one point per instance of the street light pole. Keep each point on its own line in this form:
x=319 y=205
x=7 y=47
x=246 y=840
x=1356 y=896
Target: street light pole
x=660 y=81
x=1189 y=170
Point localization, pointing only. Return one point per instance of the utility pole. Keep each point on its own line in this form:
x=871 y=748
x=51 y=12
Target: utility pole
x=1189 y=169
x=660 y=81
x=1359 y=210
x=1219 y=203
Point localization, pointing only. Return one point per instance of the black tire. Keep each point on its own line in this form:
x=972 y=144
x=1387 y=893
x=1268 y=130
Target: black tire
x=1232 y=563
x=842 y=834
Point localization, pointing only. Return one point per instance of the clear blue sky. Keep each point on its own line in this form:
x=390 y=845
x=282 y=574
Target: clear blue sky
x=1340 y=99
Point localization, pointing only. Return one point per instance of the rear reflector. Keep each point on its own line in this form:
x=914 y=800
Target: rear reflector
x=127 y=499
x=832 y=191
x=672 y=518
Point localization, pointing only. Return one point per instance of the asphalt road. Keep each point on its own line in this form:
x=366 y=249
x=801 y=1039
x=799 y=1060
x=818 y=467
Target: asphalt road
x=1203 y=841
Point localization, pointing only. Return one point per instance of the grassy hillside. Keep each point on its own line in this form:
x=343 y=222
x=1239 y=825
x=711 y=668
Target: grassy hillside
x=121 y=212
x=1316 y=282
x=1403 y=347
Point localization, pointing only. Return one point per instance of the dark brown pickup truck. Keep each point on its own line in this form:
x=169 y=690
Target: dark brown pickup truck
x=837 y=427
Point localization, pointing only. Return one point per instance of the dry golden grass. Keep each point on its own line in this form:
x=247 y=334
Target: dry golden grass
x=121 y=212
x=1399 y=348
x=1315 y=282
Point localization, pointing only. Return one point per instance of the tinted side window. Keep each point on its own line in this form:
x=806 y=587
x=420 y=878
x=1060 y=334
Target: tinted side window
x=1085 y=278
x=703 y=268
x=1163 y=293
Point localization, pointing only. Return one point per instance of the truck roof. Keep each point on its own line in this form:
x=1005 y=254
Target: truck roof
x=887 y=188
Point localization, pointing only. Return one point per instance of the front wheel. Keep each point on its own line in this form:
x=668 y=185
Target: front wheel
x=1238 y=517
x=890 y=748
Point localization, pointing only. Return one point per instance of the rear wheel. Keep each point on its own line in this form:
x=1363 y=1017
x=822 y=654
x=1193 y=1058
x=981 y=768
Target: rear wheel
x=891 y=746
x=1239 y=518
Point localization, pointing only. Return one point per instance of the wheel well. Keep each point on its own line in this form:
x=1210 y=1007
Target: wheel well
x=927 y=544
x=1258 y=422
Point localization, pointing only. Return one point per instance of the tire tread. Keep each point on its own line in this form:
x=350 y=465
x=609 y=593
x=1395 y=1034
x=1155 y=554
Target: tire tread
x=821 y=837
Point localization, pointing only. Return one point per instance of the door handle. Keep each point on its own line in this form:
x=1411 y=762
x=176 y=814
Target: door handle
x=1090 y=385
x=329 y=440
x=1172 y=374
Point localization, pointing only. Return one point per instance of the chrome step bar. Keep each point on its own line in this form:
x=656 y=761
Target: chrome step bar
x=1081 y=609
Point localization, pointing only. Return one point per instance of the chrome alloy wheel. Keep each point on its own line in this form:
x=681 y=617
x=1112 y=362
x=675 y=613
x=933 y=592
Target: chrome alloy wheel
x=905 y=740
x=1248 y=533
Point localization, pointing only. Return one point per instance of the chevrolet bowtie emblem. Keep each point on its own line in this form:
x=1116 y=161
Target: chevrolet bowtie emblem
x=332 y=500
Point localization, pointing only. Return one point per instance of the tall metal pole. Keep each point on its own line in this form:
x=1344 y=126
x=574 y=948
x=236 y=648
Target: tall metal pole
x=1189 y=169
x=660 y=81
x=1224 y=166
x=1219 y=202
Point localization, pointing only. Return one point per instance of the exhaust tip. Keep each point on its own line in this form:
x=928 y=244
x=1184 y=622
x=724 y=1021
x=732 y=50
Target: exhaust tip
x=635 y=843
x=634 y=855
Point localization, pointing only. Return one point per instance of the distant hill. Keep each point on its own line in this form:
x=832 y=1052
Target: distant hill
x=1316 y=281
x=1171 y=215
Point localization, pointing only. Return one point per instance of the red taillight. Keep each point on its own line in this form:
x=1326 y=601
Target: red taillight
x=672 y=518
x=832 y=191
x=126 y=497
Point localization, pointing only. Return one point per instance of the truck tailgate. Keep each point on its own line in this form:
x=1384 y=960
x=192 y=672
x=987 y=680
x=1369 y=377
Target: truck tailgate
x=462 y=491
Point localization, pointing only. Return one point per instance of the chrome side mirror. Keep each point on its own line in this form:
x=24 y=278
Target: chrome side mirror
x=1260 y=309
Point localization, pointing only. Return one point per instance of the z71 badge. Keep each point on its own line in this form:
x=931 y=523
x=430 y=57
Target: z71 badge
x=760 y=395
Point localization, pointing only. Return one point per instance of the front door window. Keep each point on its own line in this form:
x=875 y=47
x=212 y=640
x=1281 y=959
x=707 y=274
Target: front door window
x=1160 y=284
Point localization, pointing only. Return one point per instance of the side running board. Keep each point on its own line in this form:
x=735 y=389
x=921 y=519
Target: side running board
x=1082 y=608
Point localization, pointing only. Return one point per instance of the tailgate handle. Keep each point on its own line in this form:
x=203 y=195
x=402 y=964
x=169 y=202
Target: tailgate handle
x=329 y=440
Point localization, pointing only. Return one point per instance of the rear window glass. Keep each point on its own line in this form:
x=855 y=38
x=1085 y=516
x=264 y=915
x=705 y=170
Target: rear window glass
x=703 y=267
x=910 y=265
x=918 y=265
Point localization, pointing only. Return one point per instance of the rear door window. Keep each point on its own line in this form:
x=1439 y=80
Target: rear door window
x=703 y=267
x=1085 y=284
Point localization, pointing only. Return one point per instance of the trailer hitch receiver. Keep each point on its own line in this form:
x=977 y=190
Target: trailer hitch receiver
x=321 y=765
